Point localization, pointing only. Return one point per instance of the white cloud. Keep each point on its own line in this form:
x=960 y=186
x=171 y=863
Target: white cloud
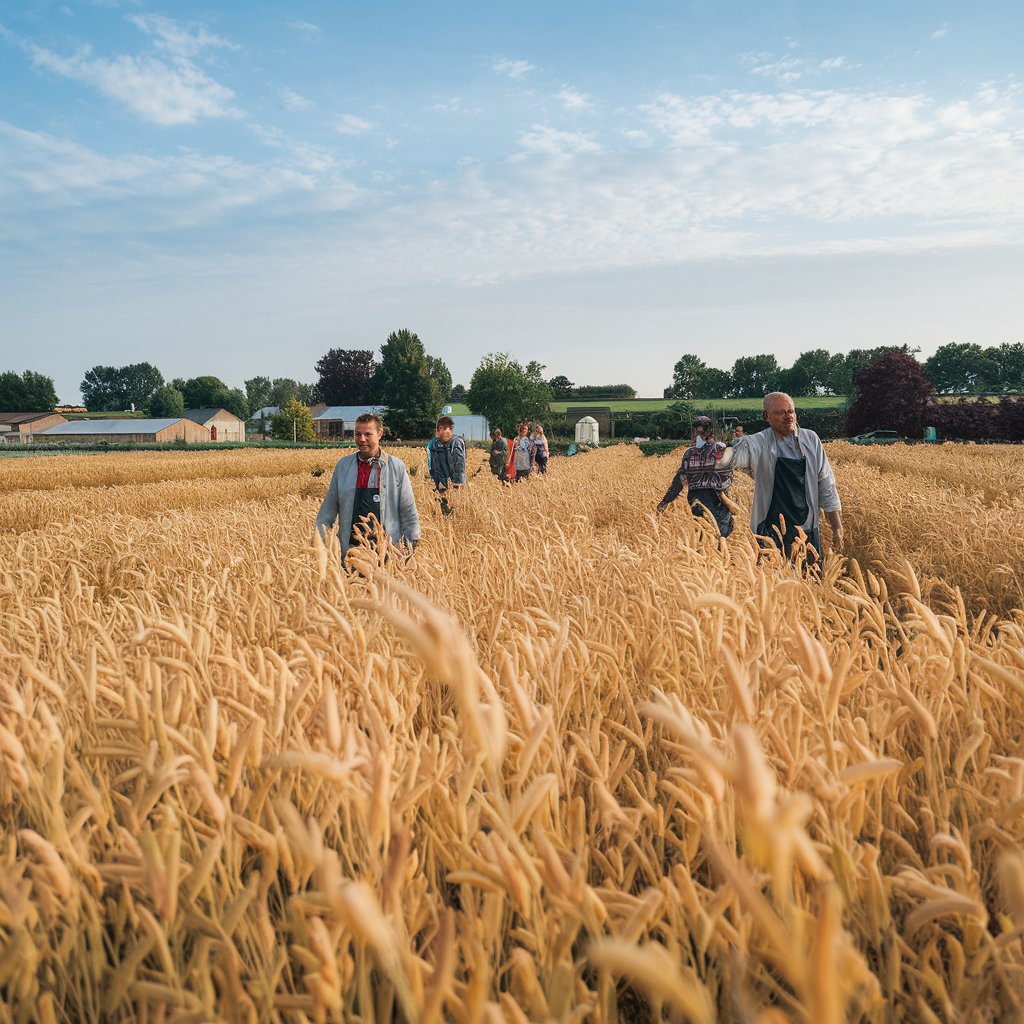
x=637 y=136
x=941 y=32
x=141 y=194
x=304 y=26
x=544 y=139
x=574 y=100
x=349 y=124
x=166 y=87
x=163 y=93
x=790 y=69
x=516 y=69
x=293 y=101
x=172 y=38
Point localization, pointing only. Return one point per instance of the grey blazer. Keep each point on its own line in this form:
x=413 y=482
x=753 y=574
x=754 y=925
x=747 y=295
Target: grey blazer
x=398 y=506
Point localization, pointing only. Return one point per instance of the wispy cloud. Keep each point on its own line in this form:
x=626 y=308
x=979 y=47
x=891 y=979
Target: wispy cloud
x=177 y=40
x=162 y=93
x=304 y=26
x=573 y=100
x=293 y=101
x=790 y=69
x=166 y=87
x=941 y=32
x=100 y=194
x=349 y=124
x=547 y=140
x=515 y=69
x=454 y=105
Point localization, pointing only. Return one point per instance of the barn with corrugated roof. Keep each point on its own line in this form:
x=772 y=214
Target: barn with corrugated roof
x=125 y=430
x=23 y=426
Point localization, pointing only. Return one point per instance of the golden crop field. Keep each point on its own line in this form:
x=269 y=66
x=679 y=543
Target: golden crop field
x=571 y=762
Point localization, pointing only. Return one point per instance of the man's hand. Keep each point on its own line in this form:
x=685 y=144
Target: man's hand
x=662 y=505
x=835 y=520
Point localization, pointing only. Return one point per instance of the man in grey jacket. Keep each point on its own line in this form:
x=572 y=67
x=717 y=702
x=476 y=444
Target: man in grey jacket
x=793 y=479
x=370 y=492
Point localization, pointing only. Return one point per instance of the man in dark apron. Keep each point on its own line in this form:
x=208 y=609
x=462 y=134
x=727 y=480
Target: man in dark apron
x=793 y=480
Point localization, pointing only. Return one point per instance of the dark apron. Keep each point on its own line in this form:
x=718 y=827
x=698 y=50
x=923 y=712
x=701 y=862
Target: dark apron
x=789 y=500
x=702 y=498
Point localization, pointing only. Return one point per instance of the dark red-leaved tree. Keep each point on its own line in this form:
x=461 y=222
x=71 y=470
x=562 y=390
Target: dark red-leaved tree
x=892 y=394
x=346 y=376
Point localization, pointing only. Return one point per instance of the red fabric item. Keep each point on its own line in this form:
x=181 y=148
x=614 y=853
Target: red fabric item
x=363 y=475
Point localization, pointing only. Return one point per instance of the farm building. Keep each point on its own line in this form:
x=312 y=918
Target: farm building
x=222 y=425
x=335 y=421
x=124 y=430
x=23 y=426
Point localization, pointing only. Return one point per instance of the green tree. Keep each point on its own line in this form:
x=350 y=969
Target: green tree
x=824 y=371
x=346 y=376
x=506 y=392
x=961 y=369
x=441 y=376
x=715 y=383
x=212 y=393
x=1009 y=357
x=404 y=384
x=561 y=387
x=140 y=382
x=458 y=393
x=26 y=392
x=119 y=387
x=293 y=422
x=892 y=394
x=687 y=376
x=257 y=393
x=755 y=376
x=166 y=401
x=794 y=381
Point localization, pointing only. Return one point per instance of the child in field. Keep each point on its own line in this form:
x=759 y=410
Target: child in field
x=540 y=450
x=499 y=454
x=446 y=461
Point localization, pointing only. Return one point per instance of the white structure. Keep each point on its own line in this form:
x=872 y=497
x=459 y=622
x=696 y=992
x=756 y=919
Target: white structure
x=587 y=431
x=472 y=428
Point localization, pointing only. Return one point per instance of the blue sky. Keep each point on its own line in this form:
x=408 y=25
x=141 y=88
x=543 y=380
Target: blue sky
x=235 y=188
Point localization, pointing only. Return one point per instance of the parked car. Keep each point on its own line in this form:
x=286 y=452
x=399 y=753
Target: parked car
x=878 y=437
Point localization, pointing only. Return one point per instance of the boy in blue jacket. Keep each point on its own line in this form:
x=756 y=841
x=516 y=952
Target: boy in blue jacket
x=446 y=461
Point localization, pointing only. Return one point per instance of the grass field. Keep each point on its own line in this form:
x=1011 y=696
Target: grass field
x=719 y=405
x=573 y=761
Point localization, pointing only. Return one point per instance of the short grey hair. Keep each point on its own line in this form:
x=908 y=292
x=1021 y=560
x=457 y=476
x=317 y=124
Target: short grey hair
x=773 y=396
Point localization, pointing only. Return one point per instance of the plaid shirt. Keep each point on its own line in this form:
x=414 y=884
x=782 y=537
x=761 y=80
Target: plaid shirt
x=700 y=471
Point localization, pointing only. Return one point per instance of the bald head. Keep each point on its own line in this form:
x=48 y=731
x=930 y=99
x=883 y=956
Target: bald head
x=780 y=413
x=773 y=397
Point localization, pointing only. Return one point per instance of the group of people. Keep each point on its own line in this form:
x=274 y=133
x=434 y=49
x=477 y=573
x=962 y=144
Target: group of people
x=370 y=492
x=513 y=462
x=793 y=479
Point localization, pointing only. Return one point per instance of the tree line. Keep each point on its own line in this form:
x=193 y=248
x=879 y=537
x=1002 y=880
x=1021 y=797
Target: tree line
x=954 y=369
x=414 y=384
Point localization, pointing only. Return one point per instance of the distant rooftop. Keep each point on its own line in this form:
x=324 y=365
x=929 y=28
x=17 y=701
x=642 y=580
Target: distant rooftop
x=200 y=416
x=24 y=417
x=110 y=427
